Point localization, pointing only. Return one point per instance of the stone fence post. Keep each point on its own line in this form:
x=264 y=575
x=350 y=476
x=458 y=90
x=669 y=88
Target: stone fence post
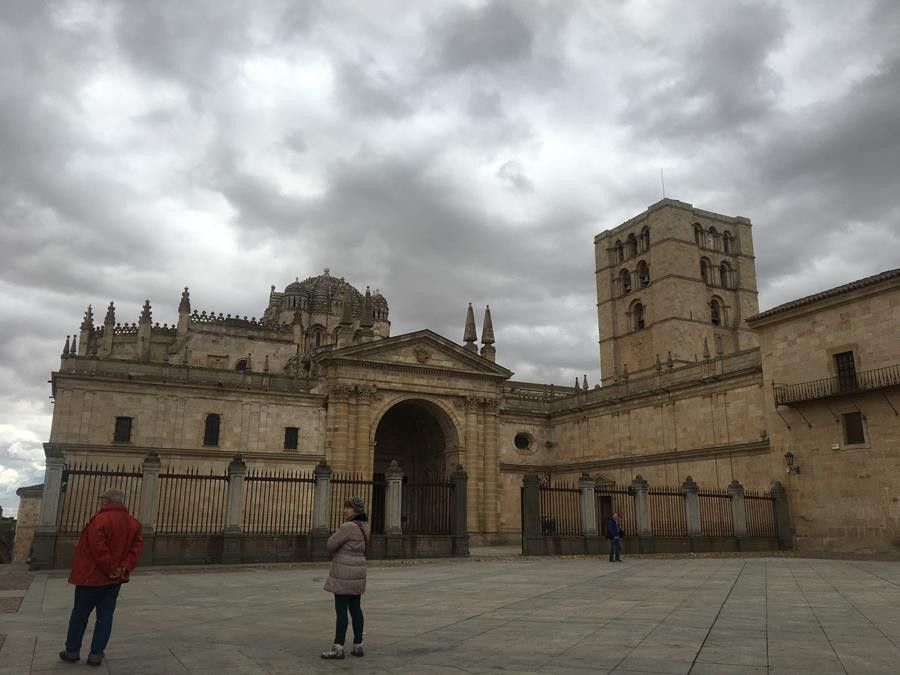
x=459 y=485
x=738 y=510
x=589 y=514
x=321 y=527
x=234 y=515
x=149 y=496
x=43 y=550
x=641 y=510
x=393 y=507
x=691 y=508
x=782 y=516
x=532 y=541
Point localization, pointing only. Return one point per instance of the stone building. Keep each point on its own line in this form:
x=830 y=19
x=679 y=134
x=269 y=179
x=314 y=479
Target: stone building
x=686 y=388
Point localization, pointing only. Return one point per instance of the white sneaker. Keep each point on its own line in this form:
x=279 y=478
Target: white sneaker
x=357 y=650
x=336 y=652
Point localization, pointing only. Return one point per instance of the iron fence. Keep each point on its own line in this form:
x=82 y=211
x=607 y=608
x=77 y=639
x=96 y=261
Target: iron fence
x=666 y=512
x=715 y=513
x=191 y=502
x=346 y=485
x=278 y=502
x=82 y=487
x=426 y=506
x=760 y=509
x=611 y=499
x=560 y=510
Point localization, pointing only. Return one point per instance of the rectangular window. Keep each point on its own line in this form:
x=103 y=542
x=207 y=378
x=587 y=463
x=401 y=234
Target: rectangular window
x=122 y=433
x=211 y=431
x=291 y=435
x=854 y=433
x=846 y=371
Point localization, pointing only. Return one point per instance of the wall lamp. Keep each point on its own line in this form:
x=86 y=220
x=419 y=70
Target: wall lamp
x=789 y=463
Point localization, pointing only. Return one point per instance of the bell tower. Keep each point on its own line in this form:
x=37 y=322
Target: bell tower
x=669 y=282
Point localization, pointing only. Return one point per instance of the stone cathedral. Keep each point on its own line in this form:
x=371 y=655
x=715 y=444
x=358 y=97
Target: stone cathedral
x=695 y=381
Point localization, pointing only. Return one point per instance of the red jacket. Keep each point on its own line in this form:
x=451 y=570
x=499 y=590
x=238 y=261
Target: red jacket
x=111 y=539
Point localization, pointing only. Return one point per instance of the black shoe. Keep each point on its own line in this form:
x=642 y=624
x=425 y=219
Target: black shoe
x=618 y=560
x=70 y=658
x=94 y=659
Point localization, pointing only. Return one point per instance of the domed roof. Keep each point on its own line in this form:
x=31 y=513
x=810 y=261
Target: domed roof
x=321 y=290
x=294 y=288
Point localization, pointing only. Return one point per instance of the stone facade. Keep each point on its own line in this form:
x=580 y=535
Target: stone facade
x=688 y=394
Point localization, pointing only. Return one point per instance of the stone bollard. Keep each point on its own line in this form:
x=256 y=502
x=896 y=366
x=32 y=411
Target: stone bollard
x=532 y=540
x=231 y=551
x=459 y=480
x=738 y=511
x=149 y=496
x=393 y=507
x=589 y=514
x=782 y=516
x=692 y=512
x=321 y=525
x=43 y=550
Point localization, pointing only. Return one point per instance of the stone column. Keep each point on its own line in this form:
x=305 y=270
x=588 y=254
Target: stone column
x=738 y=510
x=532 y=541
x=43 y=552
x=589 y=514
x=321 y=523
x=458 y=504
x=642 y=515
x=473 y=461
x=149 y=496
x=393 y=506
x=782 y=516
x=491 y=470
x=234 y=516
x=363 y=453
x=692 y=511
x=339 y=409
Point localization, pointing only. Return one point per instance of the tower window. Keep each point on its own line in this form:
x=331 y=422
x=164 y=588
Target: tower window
x=645 y=239
x=725 y=275
x=698 y=234
x=211 y=430
x=625 y=280
x=291 y=436
x=637 y=316
x=704 y=271
x=632 y=245
x=727 y=242
x=620 y=252
x=711 y=237
x=122 y=433
x=715 y=313
x=643 y=274
x=854 y=433
x=317 y=338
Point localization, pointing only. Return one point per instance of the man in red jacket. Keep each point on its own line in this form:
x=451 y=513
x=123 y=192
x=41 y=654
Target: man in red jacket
x=107 y=551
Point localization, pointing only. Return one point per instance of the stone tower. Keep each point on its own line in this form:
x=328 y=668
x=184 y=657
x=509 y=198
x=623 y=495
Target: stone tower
x=673 y=282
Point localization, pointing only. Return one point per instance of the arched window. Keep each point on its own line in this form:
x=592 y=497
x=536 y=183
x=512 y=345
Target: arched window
x=725 y=275
x=643 y=272
x=317 y=338
x=625 y=281
x=715 y=312
x=241 y=365
x=645 y=239
x=711 y=237
x=704 y=271
x=727 y=242
x=698 y=234
x=620 y=252
x=637 y=316
x=632 y=245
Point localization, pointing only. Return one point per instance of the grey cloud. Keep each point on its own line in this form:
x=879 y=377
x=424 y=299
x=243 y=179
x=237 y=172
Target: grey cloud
x=513 y=174
x=366 y=90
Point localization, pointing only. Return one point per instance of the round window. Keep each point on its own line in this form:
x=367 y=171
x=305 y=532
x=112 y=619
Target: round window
x=523 y=441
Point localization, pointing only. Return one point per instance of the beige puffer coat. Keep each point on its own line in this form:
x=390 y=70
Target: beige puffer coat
x=347 y=547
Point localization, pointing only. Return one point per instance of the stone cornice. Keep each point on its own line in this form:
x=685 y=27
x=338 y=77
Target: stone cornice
x=753 y=448
x=410 y=368
x=141 y=451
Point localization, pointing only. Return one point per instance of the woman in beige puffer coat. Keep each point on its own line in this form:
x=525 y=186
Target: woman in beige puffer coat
x=347 y=576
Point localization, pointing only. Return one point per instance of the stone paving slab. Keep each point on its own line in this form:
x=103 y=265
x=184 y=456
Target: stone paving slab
x=490 y=614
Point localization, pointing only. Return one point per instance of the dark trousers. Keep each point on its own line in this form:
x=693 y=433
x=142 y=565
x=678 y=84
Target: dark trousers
x=615 y=548
x=87 y=599
x=342 y=605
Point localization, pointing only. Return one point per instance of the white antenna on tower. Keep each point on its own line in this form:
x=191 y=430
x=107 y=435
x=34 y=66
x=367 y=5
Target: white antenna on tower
x=662 y=179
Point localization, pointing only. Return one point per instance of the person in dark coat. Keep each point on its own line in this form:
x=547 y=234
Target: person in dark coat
x=614 y=533
x=106 y=553
x=347 y=576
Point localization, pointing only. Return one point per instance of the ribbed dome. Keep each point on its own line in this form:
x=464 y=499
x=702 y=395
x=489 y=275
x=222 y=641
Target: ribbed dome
x=321 y=291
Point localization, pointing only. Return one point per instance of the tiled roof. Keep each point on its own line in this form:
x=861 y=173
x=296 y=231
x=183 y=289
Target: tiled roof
x=830 y=293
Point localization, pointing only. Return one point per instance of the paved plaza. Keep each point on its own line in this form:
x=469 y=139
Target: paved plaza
x=489 y=614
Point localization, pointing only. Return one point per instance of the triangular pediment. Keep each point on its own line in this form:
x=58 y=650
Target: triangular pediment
x=422 y=349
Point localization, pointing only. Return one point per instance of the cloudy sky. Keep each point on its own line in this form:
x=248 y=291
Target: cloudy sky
x=444 y=152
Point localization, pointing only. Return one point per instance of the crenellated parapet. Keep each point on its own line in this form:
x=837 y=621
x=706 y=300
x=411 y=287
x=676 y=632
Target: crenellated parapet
x=204 y=317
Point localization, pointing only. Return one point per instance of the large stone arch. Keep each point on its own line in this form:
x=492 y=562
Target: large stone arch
x=420 y=432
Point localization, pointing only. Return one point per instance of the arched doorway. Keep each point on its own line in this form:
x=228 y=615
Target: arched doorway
x=424 y=440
